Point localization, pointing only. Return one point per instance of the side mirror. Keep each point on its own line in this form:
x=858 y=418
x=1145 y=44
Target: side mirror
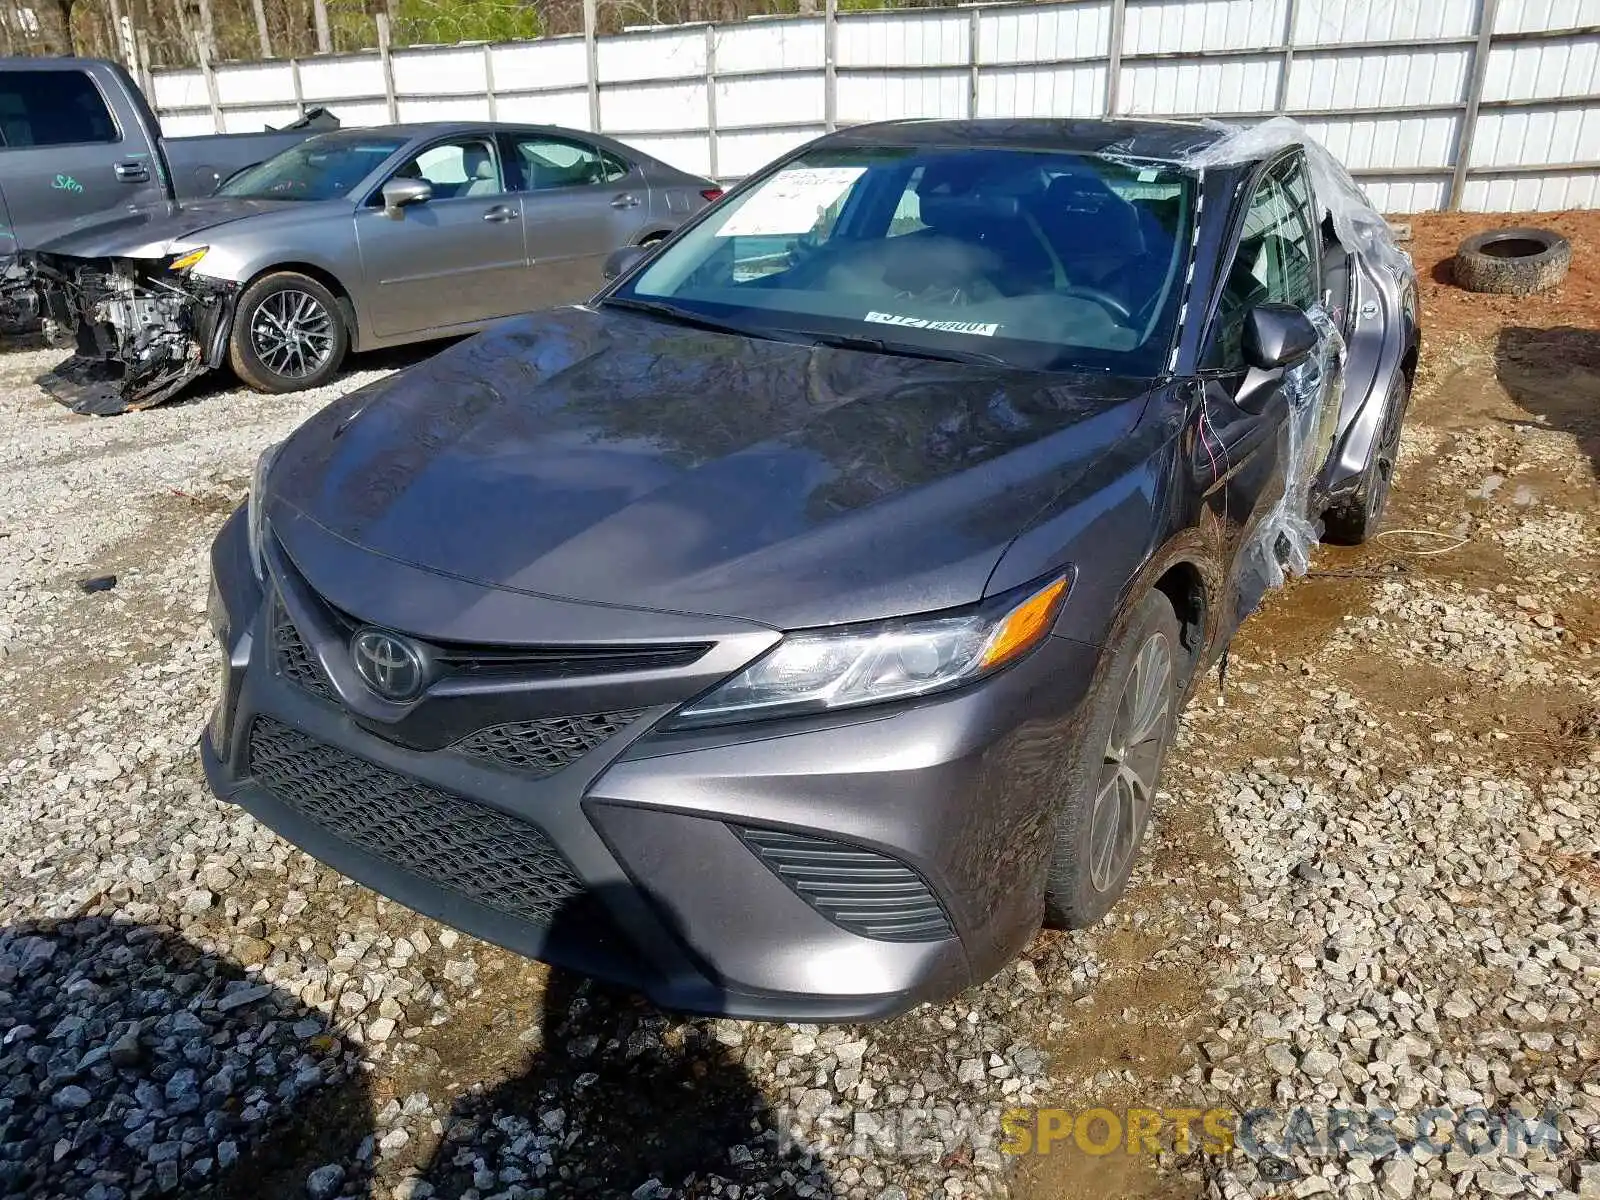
x=620 y=262
x=1277 y=335
x=398 y=193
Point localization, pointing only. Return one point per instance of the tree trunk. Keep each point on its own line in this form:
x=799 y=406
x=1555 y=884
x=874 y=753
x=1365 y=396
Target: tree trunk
x=324 y=35
x=262 y=34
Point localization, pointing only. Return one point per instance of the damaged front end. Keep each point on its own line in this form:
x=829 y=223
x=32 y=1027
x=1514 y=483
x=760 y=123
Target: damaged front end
x=19 y=300
x=141 y=329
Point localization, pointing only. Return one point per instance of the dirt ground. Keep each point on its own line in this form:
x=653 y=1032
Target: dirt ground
x=1490 y=367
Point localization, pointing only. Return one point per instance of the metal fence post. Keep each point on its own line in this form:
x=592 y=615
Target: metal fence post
x=711 y=100
x=386 y=60
x=1119 y=19
x=203 y=52
x=830 y=76
x=1469 y=115
x=299 y=89
x=974 y=21
x=488 y=80
x=1291 y=11
x=591 y=48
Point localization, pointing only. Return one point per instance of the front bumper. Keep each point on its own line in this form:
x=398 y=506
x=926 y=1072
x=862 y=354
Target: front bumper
x=830 y=869
x=140 y=333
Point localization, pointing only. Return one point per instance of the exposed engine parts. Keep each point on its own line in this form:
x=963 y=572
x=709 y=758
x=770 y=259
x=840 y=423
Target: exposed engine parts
x=141 y=331
x=19 y=302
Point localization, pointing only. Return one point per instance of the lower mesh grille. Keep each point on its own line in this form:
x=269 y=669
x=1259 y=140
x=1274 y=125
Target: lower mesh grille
x=292 y=657
x=473 y=851
x=544 y=747
x=860 y=890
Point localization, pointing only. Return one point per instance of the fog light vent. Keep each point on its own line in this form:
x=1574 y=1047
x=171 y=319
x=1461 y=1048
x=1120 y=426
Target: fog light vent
x=860 y=890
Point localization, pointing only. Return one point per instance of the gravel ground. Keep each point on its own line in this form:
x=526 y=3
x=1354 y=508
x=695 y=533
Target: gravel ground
x=1374 y=882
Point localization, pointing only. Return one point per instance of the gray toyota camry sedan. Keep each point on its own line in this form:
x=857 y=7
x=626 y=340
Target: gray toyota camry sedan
x=791 y=629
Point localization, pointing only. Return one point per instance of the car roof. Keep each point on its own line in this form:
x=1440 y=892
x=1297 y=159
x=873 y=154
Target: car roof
x=423 y=129
x=1159 y=141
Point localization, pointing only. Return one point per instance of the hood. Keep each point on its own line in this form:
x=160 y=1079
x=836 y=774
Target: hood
x=605 y=457
x=149 y=231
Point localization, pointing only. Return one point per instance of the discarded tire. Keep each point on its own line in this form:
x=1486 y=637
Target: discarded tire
x=1514 y=261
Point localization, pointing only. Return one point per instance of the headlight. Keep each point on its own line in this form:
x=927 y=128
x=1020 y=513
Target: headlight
x=188 y=259
x=256 y=511
x=824 y=669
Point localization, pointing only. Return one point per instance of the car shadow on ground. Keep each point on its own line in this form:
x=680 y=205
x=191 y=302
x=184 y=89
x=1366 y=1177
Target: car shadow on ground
x=132 y=1062
x=1554 y=374
x=619 y=1094
x=395 y=358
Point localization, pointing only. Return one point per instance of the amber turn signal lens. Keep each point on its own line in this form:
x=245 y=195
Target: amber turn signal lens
x=1025 y=624
x=189 y=259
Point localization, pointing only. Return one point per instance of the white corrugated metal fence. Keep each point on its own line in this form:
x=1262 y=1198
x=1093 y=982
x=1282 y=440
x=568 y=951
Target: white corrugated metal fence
x=1484 y=104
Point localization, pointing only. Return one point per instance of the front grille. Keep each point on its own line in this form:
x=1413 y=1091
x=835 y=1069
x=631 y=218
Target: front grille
x=476 y=852
x=292 y=658
x=544 y=747
x=860 y=890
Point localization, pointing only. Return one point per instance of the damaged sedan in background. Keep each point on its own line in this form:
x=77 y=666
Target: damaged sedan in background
x=353 y=240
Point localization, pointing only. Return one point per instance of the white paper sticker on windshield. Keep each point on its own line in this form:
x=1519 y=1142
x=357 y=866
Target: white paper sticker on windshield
x=791 y=202
x=977 y=329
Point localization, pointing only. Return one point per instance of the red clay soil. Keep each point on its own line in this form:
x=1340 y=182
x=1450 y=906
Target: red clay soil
x=1448 y=309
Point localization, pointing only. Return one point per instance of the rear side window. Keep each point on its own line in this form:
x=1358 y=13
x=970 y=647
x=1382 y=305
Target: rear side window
x=52 y=108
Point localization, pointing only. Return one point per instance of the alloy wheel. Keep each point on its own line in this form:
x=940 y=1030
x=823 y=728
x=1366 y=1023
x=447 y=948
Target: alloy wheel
x=292 y=333
x=1132 y=764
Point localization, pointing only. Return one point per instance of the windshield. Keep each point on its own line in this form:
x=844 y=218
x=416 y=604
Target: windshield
x=1044 y=260
x=325 y=167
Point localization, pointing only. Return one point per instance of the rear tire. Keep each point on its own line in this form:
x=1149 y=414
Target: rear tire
x=1115 y=766
x=288 y=334
x=1353 y=520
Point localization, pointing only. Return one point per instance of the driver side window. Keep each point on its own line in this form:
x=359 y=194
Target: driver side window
x=457 y=169
x=1273 y=264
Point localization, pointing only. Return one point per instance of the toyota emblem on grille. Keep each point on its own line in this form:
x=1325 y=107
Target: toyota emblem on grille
x=388 y=664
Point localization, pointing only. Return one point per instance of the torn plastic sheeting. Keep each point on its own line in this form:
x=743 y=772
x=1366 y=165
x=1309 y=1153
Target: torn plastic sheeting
x=1359 y=229
x=1283 y=540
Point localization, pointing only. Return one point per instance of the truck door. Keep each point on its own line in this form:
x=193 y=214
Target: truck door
x=65 y=159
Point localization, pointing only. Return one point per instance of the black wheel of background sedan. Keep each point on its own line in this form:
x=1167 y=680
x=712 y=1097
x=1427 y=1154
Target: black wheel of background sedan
x=288 y=334
x=789 y=628
x=1116 y=765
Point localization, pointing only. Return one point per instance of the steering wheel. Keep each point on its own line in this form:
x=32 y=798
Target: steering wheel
x=1104 y=299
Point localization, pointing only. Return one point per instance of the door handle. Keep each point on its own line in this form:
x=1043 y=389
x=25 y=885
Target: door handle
x=500 y=213
x=625 y=201
x=132 y=172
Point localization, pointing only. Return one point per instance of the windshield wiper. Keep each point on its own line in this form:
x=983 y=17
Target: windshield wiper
x=845 y=341
x=679 y=316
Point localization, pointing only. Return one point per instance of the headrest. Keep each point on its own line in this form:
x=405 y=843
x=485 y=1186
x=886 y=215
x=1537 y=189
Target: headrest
x=1095 y=215
x=477 y=163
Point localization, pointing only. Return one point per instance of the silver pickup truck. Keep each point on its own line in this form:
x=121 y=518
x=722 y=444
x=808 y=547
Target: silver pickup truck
x=79 y=143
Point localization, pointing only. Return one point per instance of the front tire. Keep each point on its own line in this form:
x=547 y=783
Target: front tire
x=1115 y=768
x=288 y=334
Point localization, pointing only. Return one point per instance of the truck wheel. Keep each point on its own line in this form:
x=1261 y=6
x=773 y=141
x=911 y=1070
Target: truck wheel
x=1355 y=519
x=287 y=335
x=1114 y=767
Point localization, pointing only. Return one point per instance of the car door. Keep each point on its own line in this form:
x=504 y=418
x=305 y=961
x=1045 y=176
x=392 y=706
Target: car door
x=453 y=259
x=65 y=160
x=581 y=202
x=1242 y=430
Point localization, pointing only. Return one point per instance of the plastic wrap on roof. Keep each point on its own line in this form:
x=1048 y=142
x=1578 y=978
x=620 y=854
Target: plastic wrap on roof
x=1358 y=228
